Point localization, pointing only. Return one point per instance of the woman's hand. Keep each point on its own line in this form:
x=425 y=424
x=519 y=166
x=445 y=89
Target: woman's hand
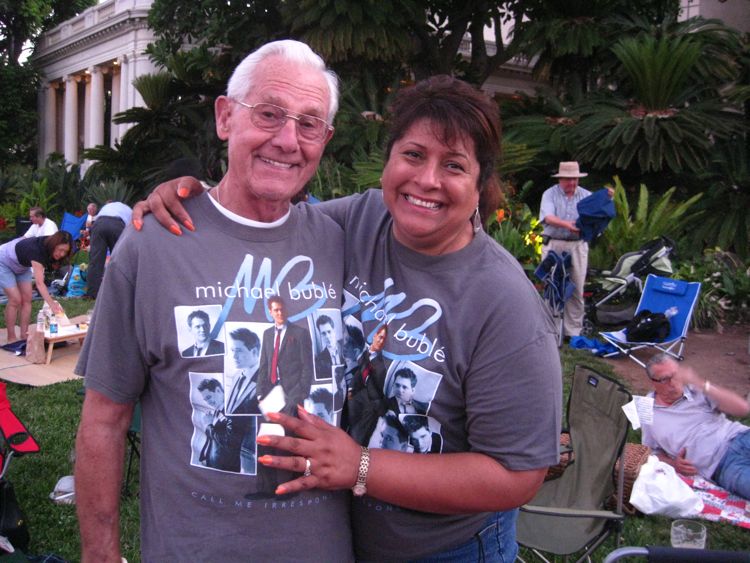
x=334 y=456
x=164 y=202
x=57 y=308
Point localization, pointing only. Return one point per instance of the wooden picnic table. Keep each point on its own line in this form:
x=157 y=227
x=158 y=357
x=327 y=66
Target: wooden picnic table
x=64 y=333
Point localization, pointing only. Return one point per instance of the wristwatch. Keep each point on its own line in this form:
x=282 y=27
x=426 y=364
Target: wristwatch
x=360 y=487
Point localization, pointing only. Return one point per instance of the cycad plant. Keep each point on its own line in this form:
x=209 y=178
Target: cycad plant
x=656 y=120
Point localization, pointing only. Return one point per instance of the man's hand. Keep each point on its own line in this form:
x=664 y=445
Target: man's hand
x=571 y=226
x=682 y=465
x=164 y=202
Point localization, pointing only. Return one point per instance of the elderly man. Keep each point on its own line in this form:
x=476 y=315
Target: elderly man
x=91 y=210
x=253 y=243
x=41 y=225
x=690 y=430
x=559 y=212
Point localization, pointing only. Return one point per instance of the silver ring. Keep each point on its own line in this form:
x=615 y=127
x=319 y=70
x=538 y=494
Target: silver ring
x=308 y=471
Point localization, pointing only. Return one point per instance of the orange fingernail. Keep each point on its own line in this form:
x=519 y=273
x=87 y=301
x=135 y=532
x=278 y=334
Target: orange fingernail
x=175 y=230
x=281 y=490
x=273 y=416
x=263 y=440
x=138 y=224
x=265 y=459
x=182 y=191
x=189 y=225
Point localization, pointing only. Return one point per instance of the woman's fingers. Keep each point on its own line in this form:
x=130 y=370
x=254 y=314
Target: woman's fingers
x=165 y=204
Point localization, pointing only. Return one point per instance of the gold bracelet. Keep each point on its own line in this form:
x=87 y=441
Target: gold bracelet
x=706 y=387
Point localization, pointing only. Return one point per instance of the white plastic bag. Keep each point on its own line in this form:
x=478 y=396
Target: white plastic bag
x=658 y=490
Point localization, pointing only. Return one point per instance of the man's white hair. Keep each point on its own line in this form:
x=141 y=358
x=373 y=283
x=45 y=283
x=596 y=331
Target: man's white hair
x=241 y=81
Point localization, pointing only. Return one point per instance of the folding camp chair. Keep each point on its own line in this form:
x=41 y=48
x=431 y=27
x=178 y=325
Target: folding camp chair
x=659 y=295
x=568 y=514
x=73 y=224
x=554 y=272
x=15 y=440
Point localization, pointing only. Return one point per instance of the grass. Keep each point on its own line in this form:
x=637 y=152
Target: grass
x=51 y=413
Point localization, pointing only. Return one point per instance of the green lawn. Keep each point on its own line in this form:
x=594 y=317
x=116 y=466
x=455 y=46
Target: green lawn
x=52 y=413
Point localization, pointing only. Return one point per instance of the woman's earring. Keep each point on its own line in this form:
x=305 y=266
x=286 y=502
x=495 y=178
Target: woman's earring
x=476 y=221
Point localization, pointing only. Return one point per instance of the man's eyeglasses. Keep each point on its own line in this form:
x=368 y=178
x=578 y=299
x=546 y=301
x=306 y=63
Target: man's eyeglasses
x=270 y=117
x=665 y=379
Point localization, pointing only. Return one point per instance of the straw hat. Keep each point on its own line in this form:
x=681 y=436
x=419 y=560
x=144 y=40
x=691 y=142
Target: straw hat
x=569 y=170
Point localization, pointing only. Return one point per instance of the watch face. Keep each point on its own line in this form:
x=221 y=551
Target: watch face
x=359 y=490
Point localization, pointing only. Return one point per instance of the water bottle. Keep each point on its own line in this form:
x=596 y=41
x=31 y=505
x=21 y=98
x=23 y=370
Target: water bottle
x=53 y=325
x=46 y=313
x=40 y=321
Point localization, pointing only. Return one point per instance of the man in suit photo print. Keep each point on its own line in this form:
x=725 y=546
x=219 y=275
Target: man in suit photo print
x=200 y=328
x=285 y=358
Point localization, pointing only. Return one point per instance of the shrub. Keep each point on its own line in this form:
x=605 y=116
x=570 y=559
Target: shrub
x=725 y=288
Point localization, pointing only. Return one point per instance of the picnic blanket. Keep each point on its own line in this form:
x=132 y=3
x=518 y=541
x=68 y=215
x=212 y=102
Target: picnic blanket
x=719 y=505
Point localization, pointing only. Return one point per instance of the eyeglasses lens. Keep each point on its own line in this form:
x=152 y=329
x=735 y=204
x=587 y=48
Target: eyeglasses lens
x=272 y=118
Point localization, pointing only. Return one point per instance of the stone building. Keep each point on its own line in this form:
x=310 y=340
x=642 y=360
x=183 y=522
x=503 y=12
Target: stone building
x=88 y=64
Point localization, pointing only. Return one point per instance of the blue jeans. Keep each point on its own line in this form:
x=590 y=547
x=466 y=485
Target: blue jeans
x=733 y=472
x=494 y=543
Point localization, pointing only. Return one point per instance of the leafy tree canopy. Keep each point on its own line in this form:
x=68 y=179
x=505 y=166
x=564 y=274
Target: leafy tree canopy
x=24 y=20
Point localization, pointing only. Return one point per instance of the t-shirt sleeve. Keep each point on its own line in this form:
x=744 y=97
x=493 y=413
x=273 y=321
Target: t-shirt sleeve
x=112 y=360
x=514 y=395
x=336 y=209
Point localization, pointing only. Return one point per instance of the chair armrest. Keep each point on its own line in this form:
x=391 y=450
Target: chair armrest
x=572 y=512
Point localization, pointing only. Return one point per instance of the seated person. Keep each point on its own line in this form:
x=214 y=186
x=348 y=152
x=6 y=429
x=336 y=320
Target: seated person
x=690 y=431
x=41 y=225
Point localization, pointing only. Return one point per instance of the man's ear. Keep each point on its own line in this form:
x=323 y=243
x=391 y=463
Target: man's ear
x=223 y=114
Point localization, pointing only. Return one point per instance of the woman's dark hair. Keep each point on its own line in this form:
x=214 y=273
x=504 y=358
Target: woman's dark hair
x=457 y=108
x=60 y=237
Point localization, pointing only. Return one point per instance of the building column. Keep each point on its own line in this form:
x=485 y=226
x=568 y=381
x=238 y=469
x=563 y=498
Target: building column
x=86 y=108
x=114 y=105
x=70 y=123
x=95 y=121
x=124 y=90
x=49 y=123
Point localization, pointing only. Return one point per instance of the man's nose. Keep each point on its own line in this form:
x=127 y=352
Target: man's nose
x=286 y=137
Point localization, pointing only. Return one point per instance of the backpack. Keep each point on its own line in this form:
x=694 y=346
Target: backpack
x=648 y=327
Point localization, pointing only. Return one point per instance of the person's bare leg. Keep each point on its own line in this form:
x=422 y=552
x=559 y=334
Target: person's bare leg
x=25 y=314
x=11 y=311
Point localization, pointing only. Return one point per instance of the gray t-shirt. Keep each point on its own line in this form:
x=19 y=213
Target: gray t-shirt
x=204 y=497
x=472 y=329
x=692 y=422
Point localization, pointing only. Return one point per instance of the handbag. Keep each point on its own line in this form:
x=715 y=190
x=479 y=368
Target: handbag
x=12 y=519
x=659 y=490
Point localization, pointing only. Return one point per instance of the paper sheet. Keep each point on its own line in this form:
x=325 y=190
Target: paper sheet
x=274 y=401
x=639 y=411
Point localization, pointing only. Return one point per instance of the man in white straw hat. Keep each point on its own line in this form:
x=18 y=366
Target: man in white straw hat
x=559 y=212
